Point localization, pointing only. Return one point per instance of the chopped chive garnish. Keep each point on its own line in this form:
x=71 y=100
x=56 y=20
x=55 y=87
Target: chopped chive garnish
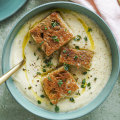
x=56 y=108
x=30 y=42
x=38 y=58
x=83 y=81
x=38 y=73
x=82 y=86
x=29 y=87
x=77 y=38
x=77 y=47
x=24 y=69
x=54 y=23
x=55 y=38
x=49 y=78
x=85 y=38
x=84 y=73
x=39 y=102
x=64 y=51
x=41 y=42
x=69 y=91
x=66 y=66
x=75 y=57
x=60 y=82
x=78 y=93
x=95 y=79
x=72 y=99
x=89 y=29
x=48 y=64
x=89 y=84
x=34 y=54
x=45 y=28
x=67 y=54
x=42 y=96
x=44 y=70
x=39 y=49
x=65 y=29
x=44 y=66
x=51 y=103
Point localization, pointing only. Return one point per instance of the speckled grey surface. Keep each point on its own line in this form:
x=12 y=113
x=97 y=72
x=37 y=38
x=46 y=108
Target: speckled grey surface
x=11 y=110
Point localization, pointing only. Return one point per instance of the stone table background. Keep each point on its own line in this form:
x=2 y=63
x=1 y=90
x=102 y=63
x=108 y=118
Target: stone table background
x=11 y=110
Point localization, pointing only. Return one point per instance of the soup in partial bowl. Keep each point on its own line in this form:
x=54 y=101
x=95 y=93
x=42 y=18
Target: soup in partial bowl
x=79 y=49
x=69 y=61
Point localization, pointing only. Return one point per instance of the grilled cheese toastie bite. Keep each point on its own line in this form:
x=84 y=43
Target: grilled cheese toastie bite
x=51 y=33
x=59 y=84
x=78 y=58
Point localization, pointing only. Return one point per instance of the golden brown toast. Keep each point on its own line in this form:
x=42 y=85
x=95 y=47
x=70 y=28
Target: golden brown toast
x=59 y=84
x=51 y=33
x=78 y=58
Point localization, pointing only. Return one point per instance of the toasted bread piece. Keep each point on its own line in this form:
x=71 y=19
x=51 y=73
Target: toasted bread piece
x=51 y=33
x=59 y=84
x=78 y=58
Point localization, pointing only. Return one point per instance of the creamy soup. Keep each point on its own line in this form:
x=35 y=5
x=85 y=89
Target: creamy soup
x=29 y=78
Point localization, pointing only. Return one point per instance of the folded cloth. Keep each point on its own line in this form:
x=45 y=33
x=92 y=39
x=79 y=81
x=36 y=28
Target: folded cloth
x=109 y=10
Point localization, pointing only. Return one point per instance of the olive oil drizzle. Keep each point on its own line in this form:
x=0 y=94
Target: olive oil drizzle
x=25 y=41
x=92 y=47
x=88 y=34
x=85 y=26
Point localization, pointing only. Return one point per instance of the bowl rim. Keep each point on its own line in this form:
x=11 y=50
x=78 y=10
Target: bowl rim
x=58 y=116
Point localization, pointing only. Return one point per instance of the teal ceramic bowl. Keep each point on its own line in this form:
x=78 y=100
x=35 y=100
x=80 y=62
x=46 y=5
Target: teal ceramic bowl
x=13 y=6
x=103 y=94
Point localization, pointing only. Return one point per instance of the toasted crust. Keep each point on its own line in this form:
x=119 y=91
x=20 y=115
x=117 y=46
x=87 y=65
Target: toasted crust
x=43 y=33
x=78 y=58
x=56 y=91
